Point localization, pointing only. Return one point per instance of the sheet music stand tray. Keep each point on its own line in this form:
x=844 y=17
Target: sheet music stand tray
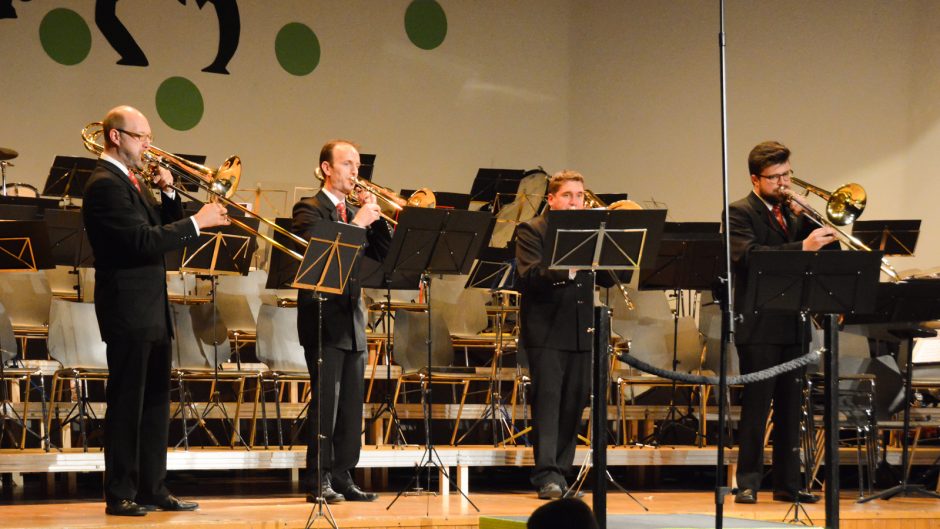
x=893 y=237
x=616 y=240
x=68 y=176
x=827 y=283
x=224 y=250
x=441 y=242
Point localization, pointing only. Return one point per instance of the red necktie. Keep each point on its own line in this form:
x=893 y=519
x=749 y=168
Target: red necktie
x=134 y=181
x=778 y=214
x=341 y=209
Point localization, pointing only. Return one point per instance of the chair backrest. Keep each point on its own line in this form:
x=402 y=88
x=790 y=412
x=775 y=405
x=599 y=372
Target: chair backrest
x=646 y=326
x=709 y=323
x=27 y=297
x=463 y=309
x=7 y=339
x=201 y=339
x=74 y=338
x=239 y=299
x=410 y=340
x=278 y=344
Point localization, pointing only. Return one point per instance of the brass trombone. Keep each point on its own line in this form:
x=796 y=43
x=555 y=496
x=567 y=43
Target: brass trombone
x=422 y=198
x=843 y=206
x=220 y=183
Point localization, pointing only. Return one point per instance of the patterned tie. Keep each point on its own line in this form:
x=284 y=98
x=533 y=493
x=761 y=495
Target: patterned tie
x=778 y=214
x=134 y=181
x=341 y=209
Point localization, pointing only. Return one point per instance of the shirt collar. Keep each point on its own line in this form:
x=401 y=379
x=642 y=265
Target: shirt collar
x=332 y=197
x=121 y=166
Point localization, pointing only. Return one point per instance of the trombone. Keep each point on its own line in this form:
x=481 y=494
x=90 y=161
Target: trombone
x=592 y=201
x=843 y=206
x=422 y=198
x=220 y=183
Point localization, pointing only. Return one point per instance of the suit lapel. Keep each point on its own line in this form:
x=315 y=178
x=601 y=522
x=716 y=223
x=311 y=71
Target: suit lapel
x=138 y=197
x=767 y=217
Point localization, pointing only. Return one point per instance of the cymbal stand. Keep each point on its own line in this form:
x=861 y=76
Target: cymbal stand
x=430 y=459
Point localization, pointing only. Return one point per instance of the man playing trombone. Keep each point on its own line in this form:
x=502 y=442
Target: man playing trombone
x=129 y=235
x=766 y=219
x=338 y=395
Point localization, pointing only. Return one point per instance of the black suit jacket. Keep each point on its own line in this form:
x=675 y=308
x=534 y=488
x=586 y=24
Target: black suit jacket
x=556 y=312
x=752 y=227
x=129 y=236
x=343 y=317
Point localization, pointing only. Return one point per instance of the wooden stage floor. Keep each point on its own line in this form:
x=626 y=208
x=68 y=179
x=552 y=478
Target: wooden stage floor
x=452 y=512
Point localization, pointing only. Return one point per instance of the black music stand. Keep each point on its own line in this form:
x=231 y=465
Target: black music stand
x=893 y=237
x=591 y=240
x=68 y=176
x=826 y=283
x=282 y=268
x=326 y=267
x=222 y=250
x=372 y=274
x=24 y=247
x=435 y=241
x=70 y=246
x=490 y=184
x=690 y=258
x=904 y=304
x=494 y=271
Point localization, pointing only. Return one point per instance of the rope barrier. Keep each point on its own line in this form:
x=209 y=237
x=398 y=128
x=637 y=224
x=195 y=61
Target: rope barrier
x=749 y=378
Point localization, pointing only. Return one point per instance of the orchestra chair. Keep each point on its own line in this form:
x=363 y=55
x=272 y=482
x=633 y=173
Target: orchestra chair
x=278 y=347
x=238 y=298
x=411 y=343
x=28 y=298
x=12 y=376
x=200 y=352
x=75 y=342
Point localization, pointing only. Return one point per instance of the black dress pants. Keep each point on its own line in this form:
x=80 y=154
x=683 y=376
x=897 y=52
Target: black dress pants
x=338 y=393
x=785 y=391
x=561 y=385
x=136 y=422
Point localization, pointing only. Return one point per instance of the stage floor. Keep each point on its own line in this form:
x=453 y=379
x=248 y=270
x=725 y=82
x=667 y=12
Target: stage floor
x=292 y=511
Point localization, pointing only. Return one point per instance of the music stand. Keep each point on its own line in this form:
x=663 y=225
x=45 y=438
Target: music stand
x=591 y=240
x=690 y=258
x=68 y=176
x=372 y=274
x=24 y=247
x=893 y=237
x=435 y=241
x=326 y=267
x=494 y=271
x=827 y=283
x=489 y=184
x=902 y=304
x=70 y=246
x=222 y=250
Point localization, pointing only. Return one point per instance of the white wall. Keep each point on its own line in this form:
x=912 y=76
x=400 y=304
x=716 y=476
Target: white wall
x=626 y=91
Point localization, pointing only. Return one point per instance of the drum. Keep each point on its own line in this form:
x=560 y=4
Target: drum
x=21 y=190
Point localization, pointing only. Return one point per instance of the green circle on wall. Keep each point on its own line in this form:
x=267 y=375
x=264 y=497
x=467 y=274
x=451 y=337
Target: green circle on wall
x=179 y=103
x=65 y=36
x=297 y=49
x=426 y=24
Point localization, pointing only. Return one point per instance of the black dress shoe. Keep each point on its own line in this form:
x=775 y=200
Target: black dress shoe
x=550 y=491
x=354 y=493
x=746 y=496
x=125 y=508
x=328 y=494
x=170 y=504
x=801 y=496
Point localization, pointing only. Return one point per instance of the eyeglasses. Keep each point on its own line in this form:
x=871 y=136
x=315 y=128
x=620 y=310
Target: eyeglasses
x=138 y=136
x=778 y=176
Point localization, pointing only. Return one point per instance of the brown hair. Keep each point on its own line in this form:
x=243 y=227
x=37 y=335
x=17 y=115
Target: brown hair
x=326 y=153
x=765 y=154
x=559 y=178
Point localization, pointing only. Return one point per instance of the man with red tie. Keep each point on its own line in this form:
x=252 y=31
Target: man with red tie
x=766 y=220
x=129 y=235
x=341 y=389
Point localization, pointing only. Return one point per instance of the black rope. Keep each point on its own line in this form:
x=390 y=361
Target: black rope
x=749 y=378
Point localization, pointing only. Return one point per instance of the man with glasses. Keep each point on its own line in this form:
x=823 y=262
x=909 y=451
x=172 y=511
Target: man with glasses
x=766 y=220
x=129 y=235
